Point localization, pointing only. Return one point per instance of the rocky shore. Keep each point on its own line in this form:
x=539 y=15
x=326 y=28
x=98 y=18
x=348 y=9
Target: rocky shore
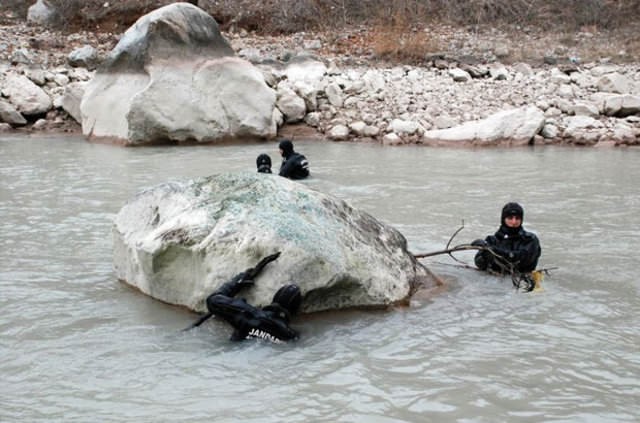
x=333 y=87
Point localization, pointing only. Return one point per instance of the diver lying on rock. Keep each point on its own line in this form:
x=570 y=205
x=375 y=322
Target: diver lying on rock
x=270 y=322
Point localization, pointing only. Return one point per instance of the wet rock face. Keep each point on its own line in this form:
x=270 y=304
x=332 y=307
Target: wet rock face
x=179 y=241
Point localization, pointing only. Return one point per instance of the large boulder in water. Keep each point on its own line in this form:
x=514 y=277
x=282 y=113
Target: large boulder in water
x=179 y=241
x=174 y=78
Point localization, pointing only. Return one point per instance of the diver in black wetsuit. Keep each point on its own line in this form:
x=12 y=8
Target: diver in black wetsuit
x=294 y=165
x=270 y=322
x=263 y=163
x=511 y=248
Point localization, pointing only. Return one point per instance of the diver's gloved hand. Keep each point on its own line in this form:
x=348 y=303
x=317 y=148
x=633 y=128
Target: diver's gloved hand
x=503 y=252
x=479 y=243
x=253 y=272
x=244 y=279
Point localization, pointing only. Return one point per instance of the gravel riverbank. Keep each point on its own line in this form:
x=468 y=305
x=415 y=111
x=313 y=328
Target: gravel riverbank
x=584 y=100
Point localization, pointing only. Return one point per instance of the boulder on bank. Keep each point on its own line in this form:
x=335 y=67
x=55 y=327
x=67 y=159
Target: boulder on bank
x=180 y=241
x=42 y=13
x=174 y=78
x=9 y=115
x=513 y=127
x=27 y=97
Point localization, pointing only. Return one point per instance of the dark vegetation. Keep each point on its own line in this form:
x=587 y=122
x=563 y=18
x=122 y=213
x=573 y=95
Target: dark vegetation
x=287 y=16
x=398 y=30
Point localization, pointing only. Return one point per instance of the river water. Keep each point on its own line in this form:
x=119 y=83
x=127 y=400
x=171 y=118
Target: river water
x=77 y=345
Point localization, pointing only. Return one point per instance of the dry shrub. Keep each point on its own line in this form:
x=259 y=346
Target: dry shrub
x=286 y=16
x=88 y=14
x=395 y=39
x=481 y=12
x=267 y=16
x=13 y=9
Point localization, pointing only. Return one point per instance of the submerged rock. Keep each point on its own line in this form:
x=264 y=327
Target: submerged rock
x=179 y=241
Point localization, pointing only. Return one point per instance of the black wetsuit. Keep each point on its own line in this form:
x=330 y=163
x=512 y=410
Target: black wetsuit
x=516 y=247
x=294 y=166
x=270 y=322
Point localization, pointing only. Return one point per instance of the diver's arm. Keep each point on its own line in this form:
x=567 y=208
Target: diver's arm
x=287 y=166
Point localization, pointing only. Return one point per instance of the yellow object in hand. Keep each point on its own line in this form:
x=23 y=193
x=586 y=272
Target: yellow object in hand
x=537 y=276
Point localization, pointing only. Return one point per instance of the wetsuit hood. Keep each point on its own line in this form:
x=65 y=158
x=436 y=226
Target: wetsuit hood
x=263 y=160
x=289 y=297
x=511 y=209
x=287 y=148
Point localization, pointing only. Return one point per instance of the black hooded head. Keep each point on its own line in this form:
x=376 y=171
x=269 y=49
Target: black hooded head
x=511 y=209
x=263 y=162
x=287 y=148
x=289 y=297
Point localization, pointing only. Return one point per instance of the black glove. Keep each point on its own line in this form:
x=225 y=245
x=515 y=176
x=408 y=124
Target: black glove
x=245 y=280
x=252 y=272
x=503 y=252
x=479 y=243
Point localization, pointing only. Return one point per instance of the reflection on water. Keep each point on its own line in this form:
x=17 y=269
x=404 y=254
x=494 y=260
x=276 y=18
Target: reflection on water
x=78 y=345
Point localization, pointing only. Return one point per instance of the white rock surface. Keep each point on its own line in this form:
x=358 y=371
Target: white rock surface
x=179 y=241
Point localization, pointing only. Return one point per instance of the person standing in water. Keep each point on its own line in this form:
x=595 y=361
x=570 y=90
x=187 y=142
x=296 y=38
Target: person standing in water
x=294 y=165
x=263 y=163
x=511 y=248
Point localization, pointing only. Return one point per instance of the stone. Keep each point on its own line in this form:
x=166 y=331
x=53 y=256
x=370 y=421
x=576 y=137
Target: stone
x=622 y=105
x=459 y=75
x=37 y=76
x=582 y=108
x=22 y=56
x=42 y=13
x=614 y=83
x=305 y=68
x=523 y=69
x=391 y=139
x=179 y=241
x=40 y=124
x=28 y=98
x=402 y=127
x=581 y=129
x=549 y=131
x=85 y=56
x=9 y=115
x=334 y=94
x=313 y=119
x=338 y=133
x=172 y=77
x=498 y=72
x=515 y=127
x=72 y=98
x=292 y=106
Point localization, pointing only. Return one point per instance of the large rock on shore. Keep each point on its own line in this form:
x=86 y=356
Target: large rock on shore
x=180 y=241
x=512 y=127
x=174 y=78
x=28 y=98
